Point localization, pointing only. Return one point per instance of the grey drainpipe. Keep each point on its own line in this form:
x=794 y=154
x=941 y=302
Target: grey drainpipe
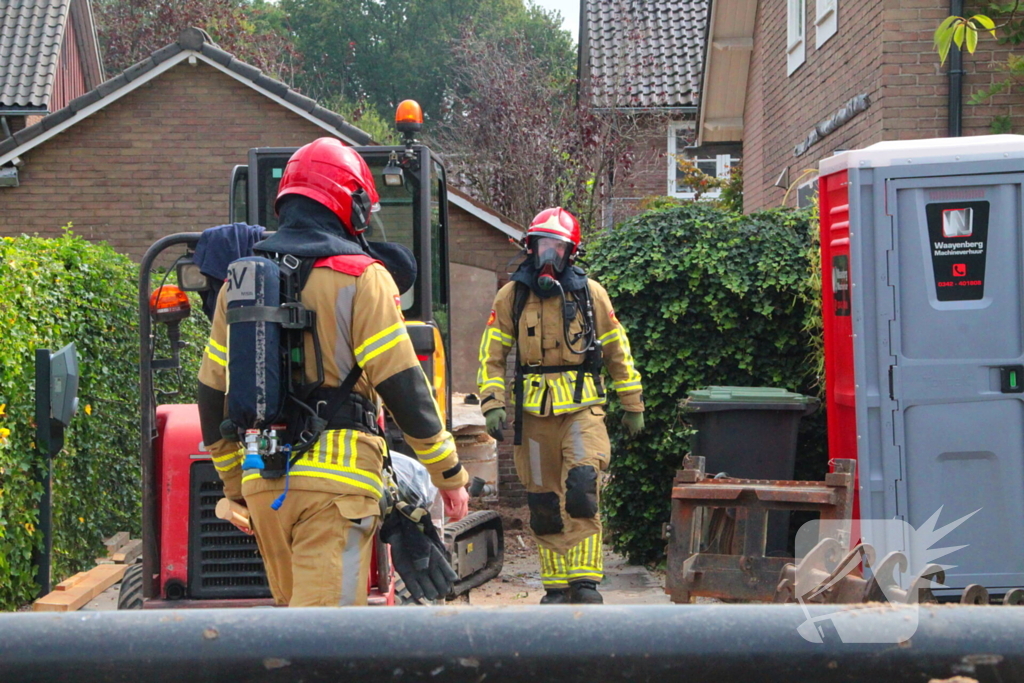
x=956 y=79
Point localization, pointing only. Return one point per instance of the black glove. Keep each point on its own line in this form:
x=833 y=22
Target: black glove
x=417 y=553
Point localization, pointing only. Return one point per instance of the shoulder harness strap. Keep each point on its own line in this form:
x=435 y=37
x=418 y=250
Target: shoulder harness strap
x=521 y=294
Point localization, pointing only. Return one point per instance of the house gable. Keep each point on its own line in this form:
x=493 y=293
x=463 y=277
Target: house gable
x=193 y=46
x=154 y=161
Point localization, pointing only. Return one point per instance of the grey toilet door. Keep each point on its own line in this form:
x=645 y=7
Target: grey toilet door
x=958 y=343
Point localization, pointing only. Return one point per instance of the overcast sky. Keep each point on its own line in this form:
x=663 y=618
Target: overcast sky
x=570 y=11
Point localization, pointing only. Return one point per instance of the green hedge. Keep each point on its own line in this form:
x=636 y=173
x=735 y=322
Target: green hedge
x=52 y=292
x=707 y=297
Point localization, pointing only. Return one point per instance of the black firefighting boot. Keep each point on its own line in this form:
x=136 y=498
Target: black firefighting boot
x=584 y=593
x=556 y=597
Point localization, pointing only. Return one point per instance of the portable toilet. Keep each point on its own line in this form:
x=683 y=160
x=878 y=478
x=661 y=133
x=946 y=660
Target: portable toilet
x=922 y=248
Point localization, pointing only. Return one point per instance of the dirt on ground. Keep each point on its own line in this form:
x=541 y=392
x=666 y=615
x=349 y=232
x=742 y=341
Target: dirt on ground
x=519 y=582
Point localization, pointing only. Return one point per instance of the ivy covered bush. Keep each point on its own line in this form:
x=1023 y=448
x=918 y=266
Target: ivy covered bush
x=707 y=297
x=53 y=292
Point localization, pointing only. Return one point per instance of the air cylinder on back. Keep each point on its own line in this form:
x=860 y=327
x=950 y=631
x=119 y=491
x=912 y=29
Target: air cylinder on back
x=256 y=385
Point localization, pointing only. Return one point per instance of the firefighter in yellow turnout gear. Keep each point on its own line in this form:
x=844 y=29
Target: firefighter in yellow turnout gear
x=317 y=545
x=565 y=330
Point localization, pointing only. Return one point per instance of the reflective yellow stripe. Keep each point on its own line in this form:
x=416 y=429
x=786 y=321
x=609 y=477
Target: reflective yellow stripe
x=353 y=481
x=586 y=560
x=534 y=394
x=376 y=491
x=236 y=454
x=377 y=337
x=381 y=342
x=483 y=356
x=235 y=462
x=448 y=446
x=327 y=450
x=559 y=388
x=352 y=449
x=214 y=344
x=390 y=345
x=609 y=337
x=552 y=568
x=333 y=457
x=628 y=385
x=505 y=339
x=483 y=380
x=216 y=356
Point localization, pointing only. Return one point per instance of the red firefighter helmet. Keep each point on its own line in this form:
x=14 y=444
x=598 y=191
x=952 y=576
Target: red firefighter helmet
x=557 y=223
x=328 y=172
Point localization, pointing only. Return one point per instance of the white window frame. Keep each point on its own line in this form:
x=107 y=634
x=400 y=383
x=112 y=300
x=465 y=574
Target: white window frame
x=813 y=182
x=796 y=41
x=826 y=20
x=723 y=163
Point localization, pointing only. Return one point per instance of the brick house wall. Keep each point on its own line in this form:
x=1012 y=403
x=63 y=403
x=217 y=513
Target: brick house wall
x=916 y=85
x=473 y=243
x=155 y=162
x=882 y=49
x=781 y=110
x=647 y=175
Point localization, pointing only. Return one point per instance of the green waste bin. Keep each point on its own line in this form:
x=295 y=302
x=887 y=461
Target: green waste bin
x=750 y=433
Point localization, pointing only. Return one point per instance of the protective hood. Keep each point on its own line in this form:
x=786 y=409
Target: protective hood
x=571 y=279
x=309 y=229
x=399 y=260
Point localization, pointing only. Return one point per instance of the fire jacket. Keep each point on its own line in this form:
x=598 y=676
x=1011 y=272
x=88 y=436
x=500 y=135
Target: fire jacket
x=359 y=321
x=542 y=342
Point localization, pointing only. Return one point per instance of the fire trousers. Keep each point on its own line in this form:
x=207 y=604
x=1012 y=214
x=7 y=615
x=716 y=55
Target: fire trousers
x=560 y=462
x=316 y=552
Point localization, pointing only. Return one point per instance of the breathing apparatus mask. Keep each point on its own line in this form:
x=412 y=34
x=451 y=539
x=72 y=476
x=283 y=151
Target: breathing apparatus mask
x=551 y=256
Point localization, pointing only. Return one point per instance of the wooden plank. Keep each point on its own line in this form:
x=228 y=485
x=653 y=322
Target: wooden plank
x=69 y=582
x=129 y=552
x=115 y=542
x=95 y=581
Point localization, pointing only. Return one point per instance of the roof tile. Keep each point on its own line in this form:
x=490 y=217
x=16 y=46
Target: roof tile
x=26 y=134
x=216 y=54
x=83 y=101
x=300 y=101
x=276 y=87
x=138 y=69
x=645 y=54
x=31 y=32
x=56 y=118
x=112 y=85
x=165 y=53
x=245 y=70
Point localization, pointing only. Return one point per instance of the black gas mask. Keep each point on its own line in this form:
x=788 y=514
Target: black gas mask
x=551 y=255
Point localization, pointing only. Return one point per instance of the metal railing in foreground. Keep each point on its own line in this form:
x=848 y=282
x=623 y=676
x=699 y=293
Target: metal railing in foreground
x=622 y=643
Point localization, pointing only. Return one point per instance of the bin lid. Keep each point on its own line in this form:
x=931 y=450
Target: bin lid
x=747 y=398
